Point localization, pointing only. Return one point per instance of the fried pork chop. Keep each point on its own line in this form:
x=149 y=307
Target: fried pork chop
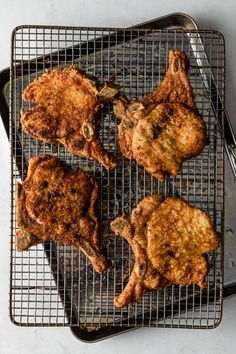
x=67 y=103
x=54 y=204
x=169 y=239
x=164 y=128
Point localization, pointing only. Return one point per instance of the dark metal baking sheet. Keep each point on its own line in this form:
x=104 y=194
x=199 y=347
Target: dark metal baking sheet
x=108 y=331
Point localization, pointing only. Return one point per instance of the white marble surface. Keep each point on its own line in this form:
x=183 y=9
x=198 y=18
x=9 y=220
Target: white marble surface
x=211 y=14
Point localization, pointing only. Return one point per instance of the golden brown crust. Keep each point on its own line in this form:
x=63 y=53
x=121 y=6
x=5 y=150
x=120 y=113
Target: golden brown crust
x=163 y=129
x=88 y=147
x=169 y=240
x=54 y=204
x=178 y=236
x=67 y=102
x=175 y=87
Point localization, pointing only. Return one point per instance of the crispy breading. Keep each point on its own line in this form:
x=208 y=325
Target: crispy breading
x=175 y=86
x=67 y=103
x=55 y=204
x=169 y=239
x=165 y=128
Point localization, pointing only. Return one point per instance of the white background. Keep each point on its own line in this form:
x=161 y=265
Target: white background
x=210 y=14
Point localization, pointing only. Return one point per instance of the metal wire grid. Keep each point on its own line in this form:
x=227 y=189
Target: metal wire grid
x=54 y=285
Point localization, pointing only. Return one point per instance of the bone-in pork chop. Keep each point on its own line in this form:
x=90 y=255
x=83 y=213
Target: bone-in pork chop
x=164 y=128
x=67 y=104
x=56 y=204
x=169 y=239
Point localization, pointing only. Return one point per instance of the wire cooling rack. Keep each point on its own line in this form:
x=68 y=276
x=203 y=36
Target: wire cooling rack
x=54 y=285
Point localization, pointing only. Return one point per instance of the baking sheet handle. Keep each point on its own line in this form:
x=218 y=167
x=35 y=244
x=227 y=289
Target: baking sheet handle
x=230 y=145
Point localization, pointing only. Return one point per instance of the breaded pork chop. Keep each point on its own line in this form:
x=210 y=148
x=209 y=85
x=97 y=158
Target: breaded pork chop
x=160 y=139
x=55 y=204
x=175 y=87
x=164 y=128
x=169 y=239
x=67 y=103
